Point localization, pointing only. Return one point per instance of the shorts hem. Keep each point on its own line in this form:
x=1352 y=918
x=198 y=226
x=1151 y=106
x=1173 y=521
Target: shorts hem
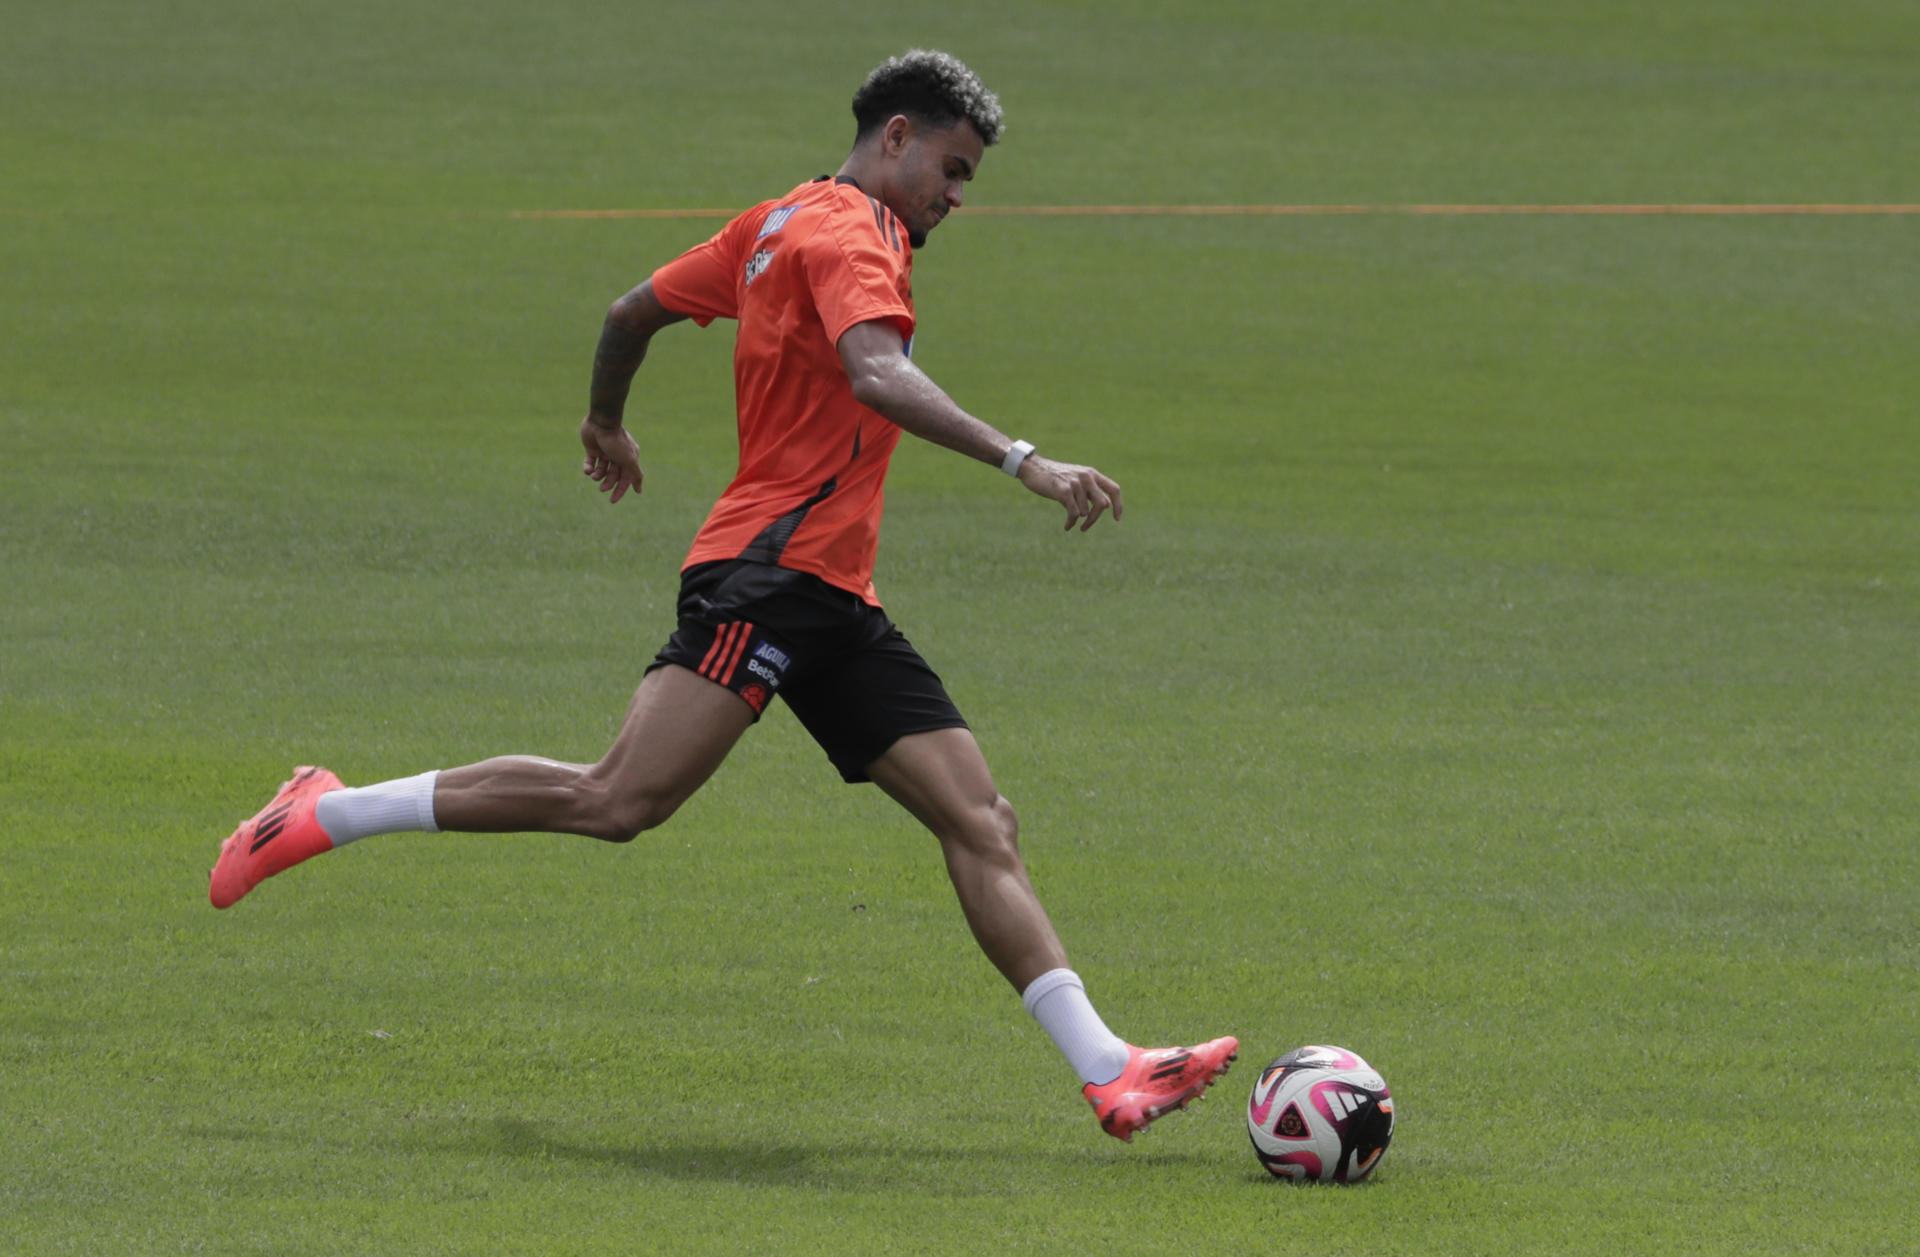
x=658 y=664
x=858 y=776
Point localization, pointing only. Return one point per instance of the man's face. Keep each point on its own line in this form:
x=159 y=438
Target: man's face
x=929 y=173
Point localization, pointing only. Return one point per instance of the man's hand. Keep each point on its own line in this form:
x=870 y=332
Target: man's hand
x=1083 y=491
x=612 y=458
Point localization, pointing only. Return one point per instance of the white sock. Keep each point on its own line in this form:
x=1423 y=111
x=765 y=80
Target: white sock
x=1058 y=1001
x=386 y=808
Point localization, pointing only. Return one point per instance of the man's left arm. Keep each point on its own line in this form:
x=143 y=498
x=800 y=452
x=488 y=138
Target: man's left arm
x=885 y=380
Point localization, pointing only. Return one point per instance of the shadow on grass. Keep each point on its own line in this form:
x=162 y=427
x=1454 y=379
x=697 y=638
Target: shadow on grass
x=676 y=1156
x=951 y=1171
x=943 y=1171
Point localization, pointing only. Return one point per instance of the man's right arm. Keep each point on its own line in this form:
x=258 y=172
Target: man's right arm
x=612 y=457
x=631 y=323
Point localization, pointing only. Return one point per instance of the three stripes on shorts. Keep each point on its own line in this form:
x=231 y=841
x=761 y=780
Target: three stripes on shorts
x=723 y=657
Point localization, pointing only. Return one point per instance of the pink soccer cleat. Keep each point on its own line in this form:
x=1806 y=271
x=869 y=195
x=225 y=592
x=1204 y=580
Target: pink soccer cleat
x=1157 y=1081
x=279 y=836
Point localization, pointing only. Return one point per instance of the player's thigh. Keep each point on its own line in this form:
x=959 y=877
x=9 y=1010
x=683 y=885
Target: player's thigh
x=941 y=777
x=677 y=732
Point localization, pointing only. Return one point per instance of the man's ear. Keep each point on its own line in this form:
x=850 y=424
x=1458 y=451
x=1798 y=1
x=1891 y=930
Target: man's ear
x=895 y=134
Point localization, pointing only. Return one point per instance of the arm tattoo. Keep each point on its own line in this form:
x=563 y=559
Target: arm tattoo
x=618 y=356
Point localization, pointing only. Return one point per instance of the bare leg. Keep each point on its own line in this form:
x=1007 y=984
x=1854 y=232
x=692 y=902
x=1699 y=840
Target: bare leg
x=677 y=731
x=941 y=777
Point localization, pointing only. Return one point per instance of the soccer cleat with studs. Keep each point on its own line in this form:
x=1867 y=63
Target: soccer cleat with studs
x=277 y=837
x=1157 y=1081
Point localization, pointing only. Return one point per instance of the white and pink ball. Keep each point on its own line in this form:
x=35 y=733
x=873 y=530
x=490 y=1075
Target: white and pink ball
x=1320 y=1115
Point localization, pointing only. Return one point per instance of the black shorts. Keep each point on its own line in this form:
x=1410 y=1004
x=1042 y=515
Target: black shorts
x=850 y=676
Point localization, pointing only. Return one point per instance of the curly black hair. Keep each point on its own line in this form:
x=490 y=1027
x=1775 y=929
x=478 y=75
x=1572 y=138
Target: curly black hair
x=931 y=87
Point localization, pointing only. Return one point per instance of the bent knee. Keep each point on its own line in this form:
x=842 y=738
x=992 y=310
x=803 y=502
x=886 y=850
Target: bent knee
x=1007 y=822
x=625 y=815
x=992 y=829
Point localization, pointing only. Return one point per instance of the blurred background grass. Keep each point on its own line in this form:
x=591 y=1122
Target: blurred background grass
x=1506 y=667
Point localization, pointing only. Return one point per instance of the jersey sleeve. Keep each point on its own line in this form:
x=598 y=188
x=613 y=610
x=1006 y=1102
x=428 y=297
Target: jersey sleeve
x=857 y=274
x=704 y=282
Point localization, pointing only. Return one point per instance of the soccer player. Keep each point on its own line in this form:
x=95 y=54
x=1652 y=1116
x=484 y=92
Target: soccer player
x=776 y=595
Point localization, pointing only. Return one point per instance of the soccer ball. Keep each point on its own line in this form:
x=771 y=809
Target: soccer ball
x=1320 y=1115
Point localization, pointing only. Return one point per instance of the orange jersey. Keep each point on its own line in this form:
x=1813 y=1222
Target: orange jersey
x=797 y=273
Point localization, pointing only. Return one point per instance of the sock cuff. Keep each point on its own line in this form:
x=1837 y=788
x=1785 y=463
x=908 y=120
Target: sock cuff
x=351 y=814
x=423 y=802
x=1046 y=984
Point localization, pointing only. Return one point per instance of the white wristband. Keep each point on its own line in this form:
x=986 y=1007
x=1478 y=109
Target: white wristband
x=1016 y=454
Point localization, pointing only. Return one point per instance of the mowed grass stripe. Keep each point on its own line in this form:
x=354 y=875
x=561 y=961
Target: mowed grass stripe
x=1708 y=210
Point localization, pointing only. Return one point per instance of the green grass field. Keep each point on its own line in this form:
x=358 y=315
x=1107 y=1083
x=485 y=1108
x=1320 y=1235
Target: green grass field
x=1508 y=666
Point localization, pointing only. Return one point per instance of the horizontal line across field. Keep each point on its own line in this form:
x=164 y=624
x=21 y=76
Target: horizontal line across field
x=1119 y=211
